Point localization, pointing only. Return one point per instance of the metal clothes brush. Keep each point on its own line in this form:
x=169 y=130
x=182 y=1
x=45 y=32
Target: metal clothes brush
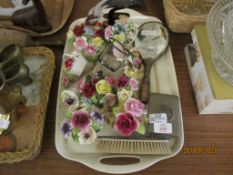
x=150 y=143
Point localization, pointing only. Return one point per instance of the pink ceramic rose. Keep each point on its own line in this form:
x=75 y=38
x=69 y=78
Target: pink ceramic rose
x=90 y=50
x=108 y=33
x=126 y=123
x=80 y=43
x=137 y=62
x=133 y=83
x=66 y=81
x=80 y=120
x=135 y=106
x=80 y=84
x=112 y=81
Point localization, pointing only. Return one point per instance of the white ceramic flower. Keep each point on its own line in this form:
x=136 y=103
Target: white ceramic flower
x=70 y=35
x=70 y=100
x=123 y=95
x=87 y=136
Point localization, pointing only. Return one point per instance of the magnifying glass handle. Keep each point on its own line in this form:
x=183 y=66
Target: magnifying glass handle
x=145 y=89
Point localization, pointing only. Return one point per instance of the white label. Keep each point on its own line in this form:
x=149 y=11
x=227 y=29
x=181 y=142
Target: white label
x=163 y=128
x=78 y=66
x=4 y=123
x=149 y=33
x=158 y=118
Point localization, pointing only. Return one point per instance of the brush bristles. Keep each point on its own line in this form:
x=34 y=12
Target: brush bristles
x=130 y=146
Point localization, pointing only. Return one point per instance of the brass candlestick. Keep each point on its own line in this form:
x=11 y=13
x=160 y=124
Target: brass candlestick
x=12 y=71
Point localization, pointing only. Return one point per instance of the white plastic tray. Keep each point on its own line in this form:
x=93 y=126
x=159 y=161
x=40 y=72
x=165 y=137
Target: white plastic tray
x=163 y=80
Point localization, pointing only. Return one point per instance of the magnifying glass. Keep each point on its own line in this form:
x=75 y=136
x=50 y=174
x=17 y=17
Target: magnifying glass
x=152 y=42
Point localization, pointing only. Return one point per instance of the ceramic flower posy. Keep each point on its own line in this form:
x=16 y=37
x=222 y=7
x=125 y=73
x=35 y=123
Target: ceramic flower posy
x=80 y=123
x=115 y=95
x=89 y=39
x=124 y=33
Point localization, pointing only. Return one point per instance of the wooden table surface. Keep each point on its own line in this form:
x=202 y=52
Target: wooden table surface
x=213 y=131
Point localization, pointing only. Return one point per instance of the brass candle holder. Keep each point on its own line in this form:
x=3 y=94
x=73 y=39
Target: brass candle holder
x=10 y=97
x=12 y=72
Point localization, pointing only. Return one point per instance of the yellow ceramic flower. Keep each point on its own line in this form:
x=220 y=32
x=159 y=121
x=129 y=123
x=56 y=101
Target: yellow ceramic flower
x=123 y=95
x=134 y=73
x=97 y=42
x=120 y=37
x=103 y=87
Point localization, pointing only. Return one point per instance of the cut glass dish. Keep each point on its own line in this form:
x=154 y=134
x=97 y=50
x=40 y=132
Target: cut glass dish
x=220 y=32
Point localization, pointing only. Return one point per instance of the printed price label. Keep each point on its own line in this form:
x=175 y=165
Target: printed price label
x=4 y=123
x=158 y=118
x=163 y=128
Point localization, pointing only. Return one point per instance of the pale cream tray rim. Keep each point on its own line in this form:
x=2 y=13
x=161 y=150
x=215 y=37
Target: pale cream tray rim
x=93 y=160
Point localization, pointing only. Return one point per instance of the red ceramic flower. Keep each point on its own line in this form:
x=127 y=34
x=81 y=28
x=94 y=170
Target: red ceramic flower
x=100 y=33
x=80 y=120
x=126 y=123
x=122 y=81
x=99 y=24
x=88 y=89
x=69 y=63
x=94 y=81
x=78 y=30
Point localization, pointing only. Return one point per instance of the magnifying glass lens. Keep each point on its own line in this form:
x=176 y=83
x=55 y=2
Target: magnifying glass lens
x=151 y=40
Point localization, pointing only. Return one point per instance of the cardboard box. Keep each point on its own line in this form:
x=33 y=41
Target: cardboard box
x=213 y=94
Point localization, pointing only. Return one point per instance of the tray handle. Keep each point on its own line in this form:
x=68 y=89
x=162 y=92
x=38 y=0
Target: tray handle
x=134 y=166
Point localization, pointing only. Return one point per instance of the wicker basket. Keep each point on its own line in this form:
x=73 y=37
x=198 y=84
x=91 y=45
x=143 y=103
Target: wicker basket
x=181 y=22
x=33 y=148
